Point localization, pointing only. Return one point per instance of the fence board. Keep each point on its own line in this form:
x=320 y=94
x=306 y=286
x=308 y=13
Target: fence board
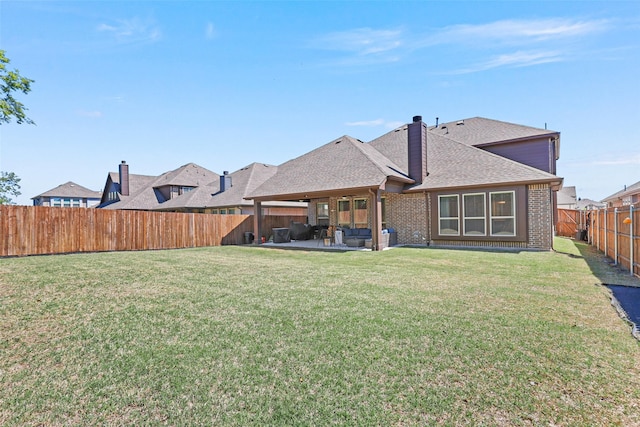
x=38 y=230
x=610 y=235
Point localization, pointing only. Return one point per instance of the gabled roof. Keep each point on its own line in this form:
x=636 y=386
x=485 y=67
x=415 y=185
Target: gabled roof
x=144 y=190
x=479 y=131
x=627 y=191
x=347 y=163
x=344 y=163
x=71 y=190
x=567 y=195
x=452 y=164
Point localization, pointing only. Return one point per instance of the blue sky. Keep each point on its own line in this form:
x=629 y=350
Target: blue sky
x=224 y=84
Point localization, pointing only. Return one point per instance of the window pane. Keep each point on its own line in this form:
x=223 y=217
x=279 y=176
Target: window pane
x=449 y=226
x=474 y=227
x=360 y=213
x=502 y=204
x=344 y=214
x=474 y=205
x=503 y=227
x=323 y=210
x=448 y=206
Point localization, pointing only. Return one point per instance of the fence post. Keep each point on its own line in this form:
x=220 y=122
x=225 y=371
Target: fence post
x=606 y=231
x=615 y=236
x=631 y=240
x=598 y=223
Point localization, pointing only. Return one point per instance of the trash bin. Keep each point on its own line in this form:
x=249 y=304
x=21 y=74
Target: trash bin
x=248 y=237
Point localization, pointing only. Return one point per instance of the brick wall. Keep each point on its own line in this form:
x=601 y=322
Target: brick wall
x=407 y=214
x=540 y=217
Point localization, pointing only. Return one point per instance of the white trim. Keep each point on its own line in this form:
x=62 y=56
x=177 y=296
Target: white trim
x=483 y=218
x=449 y=218
x=513 y=211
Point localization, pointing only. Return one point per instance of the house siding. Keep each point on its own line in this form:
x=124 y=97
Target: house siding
x=539 y=153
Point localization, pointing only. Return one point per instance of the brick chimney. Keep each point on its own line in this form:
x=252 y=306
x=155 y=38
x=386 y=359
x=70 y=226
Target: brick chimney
x=417 y=144
x=225 y=181
x=124 y=178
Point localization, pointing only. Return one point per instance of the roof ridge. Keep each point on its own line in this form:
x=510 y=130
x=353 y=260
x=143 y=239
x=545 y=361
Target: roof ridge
x=382 y=168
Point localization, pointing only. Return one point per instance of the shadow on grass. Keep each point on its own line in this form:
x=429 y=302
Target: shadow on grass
x=624 y=289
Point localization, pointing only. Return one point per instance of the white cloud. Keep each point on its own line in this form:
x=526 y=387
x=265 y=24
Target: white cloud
x=90 y=114
x=539 y=41
x=376 y=122
x=362 y=41
x=516 y=31
x=132 y=31
x=516 y=59
x=210 y=31
x=633 y=159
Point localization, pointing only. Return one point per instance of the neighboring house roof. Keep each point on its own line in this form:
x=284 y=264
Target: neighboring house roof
x=70 y=190
x=144 y=191
x=626 y=192
x=589 y=204
x=567 y=196
x=345 y=163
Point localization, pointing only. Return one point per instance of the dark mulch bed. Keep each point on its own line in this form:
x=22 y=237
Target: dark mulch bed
x=628 y=298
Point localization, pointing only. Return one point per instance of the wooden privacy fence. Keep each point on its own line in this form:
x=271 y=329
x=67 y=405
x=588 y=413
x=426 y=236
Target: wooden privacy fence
x=616 y=232
x=38 y=230
x=570 y=221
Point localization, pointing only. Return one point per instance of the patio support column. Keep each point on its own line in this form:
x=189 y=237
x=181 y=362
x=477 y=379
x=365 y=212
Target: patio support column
x=376 y=220
x=257 y=222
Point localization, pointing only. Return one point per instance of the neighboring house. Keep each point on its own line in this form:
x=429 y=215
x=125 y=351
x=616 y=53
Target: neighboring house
x=473 y=182
x=627 y=196
x=192 y=188
x=588 y=204
x=68 y=195
x=567 y=198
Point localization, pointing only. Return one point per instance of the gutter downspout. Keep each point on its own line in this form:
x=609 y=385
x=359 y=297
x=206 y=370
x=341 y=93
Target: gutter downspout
x=376 y=220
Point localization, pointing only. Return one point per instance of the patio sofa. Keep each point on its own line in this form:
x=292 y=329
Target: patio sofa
x=354 y=237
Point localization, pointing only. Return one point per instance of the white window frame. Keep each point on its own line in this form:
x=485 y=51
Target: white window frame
x=440 y=218
x=513 y=211
x=465 y=217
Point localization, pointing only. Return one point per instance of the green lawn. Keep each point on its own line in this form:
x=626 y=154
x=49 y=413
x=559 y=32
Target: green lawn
x=252 y=336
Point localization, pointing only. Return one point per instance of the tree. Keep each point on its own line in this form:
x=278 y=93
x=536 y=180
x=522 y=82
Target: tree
x=10 y=82
x=8 y=187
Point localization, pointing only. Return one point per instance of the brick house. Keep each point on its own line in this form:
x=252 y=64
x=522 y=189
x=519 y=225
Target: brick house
x=68 y=195
x=627 y=196
x=192 y=188
x=474 y=182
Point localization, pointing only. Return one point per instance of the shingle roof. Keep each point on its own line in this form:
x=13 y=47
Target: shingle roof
x=452 y=164
x=70 y=189
x=344 y=163
x=631 y=189
x=567 y=195
x=349 y=163
x=478 y=131
x=144 y=190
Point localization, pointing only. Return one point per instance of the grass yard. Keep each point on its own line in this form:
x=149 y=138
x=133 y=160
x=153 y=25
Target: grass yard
x=250 y=336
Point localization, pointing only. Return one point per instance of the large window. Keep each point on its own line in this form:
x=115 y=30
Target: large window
x=449 y=217
x=503 y=213
x=360 y=213
x=474 y=214
x=344 y=213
